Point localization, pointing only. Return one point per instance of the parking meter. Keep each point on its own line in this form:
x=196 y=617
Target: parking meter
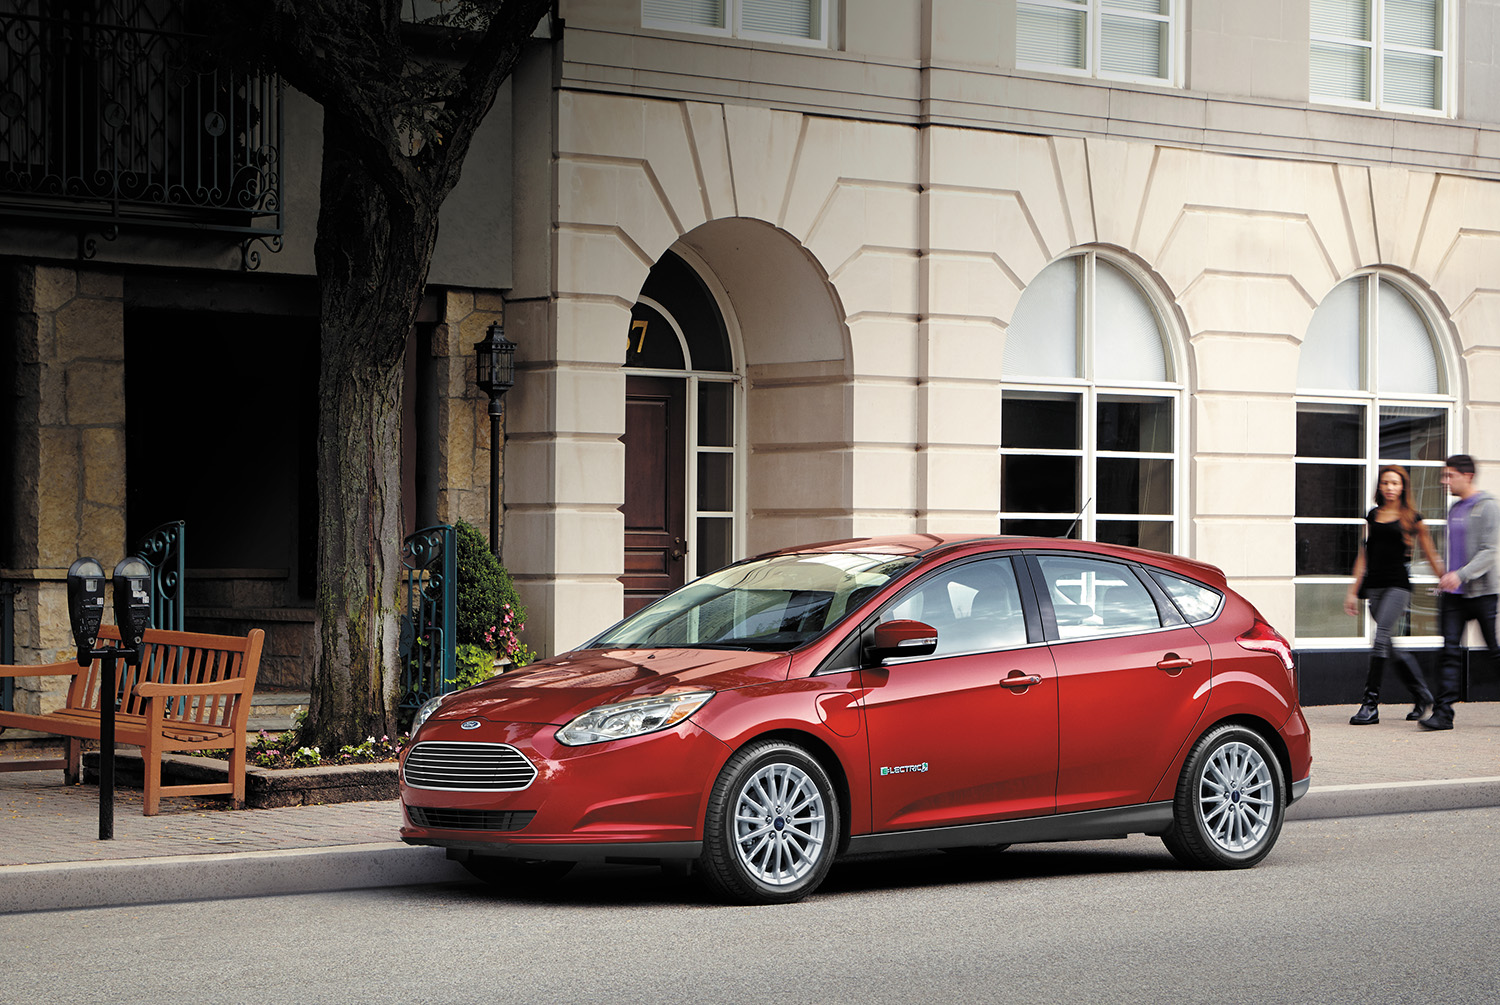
x=132 y=603
x=86 y=605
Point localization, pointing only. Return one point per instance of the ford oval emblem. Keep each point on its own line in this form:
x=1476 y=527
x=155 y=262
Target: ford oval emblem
x=471 y=724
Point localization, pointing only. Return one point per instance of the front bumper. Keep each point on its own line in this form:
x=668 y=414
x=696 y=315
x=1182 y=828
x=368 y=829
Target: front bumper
x=643 y=797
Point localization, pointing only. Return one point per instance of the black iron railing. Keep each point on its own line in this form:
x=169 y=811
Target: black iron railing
x=429 y=630
x=165 y=551
x=113 y=114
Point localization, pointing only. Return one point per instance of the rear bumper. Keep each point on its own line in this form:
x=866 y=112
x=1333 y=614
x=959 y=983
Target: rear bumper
x=1299 y=789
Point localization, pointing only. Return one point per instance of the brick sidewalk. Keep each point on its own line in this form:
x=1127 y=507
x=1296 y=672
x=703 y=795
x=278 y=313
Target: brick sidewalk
x=46 y=821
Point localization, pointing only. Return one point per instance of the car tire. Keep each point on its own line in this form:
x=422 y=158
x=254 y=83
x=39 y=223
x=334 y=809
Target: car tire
x=772 y=826
x=517 y=875
x=1230 y=801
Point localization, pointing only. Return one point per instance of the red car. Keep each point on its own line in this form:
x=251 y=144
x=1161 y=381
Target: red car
x=925 y=691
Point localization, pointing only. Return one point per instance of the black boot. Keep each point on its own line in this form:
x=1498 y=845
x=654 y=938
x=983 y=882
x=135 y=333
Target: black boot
x=1411 y=674
x=1369 y=712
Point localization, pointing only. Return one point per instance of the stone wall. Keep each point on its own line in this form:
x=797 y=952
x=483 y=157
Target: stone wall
x=67 y=493
x=462 y=410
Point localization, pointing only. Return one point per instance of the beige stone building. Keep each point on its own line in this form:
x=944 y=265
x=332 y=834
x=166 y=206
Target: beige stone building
x=1176 y=273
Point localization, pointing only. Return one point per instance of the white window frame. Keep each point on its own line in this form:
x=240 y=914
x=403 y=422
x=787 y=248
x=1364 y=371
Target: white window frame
x=1377 y=47
x=1372 y=402
x=693 y=380
x=731 y=26
x=1091 y=390
x=1094 y=11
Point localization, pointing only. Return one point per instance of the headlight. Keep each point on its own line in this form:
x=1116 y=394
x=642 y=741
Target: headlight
x=425 y=711
x=631 y=718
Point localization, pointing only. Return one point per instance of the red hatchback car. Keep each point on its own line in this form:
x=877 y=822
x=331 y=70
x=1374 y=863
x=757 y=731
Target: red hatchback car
x=860 y=696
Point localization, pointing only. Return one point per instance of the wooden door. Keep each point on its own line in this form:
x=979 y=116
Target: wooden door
x=655 y=474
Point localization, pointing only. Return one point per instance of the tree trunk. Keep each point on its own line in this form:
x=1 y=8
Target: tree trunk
x=373 y=250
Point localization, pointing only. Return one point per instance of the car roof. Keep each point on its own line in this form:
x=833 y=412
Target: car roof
x=953 y=545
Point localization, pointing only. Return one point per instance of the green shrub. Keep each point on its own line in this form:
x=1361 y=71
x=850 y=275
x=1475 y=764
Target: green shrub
x=490 y=613
x=472 y=665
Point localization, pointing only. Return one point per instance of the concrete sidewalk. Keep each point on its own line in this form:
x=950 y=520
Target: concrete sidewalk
x=50 y=855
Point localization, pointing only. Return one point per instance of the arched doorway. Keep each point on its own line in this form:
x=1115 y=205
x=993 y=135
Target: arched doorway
x=682 y=421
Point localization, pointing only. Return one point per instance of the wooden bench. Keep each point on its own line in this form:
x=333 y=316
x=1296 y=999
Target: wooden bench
x=190 y=692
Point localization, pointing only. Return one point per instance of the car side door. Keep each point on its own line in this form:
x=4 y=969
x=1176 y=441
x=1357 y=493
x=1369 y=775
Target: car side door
x=1132 y=678
x=968 y=733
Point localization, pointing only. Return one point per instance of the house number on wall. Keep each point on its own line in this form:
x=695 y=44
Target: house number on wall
x=639 y=343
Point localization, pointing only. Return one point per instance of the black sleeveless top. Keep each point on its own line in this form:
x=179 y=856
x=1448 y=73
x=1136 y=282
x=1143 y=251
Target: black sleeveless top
x=1386 y=555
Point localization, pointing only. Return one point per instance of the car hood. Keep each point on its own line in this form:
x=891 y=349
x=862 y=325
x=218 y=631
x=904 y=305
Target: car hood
x=560 y=689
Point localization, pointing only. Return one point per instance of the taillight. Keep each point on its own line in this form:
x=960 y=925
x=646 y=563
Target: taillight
x=1261 y=637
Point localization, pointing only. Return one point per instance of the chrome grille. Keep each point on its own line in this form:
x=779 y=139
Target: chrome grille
x=468 y=767
x=445 y=818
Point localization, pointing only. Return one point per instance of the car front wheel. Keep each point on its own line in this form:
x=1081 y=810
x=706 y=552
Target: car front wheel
x=772 y=826
x=1230 y=801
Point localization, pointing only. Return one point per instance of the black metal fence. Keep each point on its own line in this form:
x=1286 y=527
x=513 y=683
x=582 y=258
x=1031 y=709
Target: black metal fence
x=429 y=623
x=116 y=113
x=165 y=550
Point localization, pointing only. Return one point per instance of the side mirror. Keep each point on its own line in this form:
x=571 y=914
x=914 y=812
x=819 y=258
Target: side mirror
x=86 y=605
x=896 y=639
x=132 y=600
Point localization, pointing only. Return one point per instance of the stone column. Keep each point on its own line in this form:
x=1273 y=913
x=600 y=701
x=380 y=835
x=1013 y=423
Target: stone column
x=67 y=491
x=462 y=410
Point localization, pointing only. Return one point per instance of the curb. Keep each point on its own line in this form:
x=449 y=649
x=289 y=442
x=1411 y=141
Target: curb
x=120 y=882
x=1331 y=801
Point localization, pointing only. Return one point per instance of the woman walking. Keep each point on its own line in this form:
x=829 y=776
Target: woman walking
x=1381 y=575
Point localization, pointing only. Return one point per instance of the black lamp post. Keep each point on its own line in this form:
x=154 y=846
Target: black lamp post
x=495 y=374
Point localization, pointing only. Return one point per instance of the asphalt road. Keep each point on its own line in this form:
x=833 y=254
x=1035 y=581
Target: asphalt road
x=1372 y=909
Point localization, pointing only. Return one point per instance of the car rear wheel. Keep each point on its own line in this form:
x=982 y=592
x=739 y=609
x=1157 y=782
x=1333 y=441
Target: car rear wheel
x=1230 y=801
x=516 y=875
x=772 y=826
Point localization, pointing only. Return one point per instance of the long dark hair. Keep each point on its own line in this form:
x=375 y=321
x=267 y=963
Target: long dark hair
x=1407 y=513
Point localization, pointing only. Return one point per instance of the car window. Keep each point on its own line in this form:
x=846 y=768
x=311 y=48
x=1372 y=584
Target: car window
x=974 y=606
x=776 y=603
x=1090 y=597
x=1197 y=602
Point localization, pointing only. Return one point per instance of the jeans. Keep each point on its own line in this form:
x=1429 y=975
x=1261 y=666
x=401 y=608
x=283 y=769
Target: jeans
x=1454 y=614
x=1387 y=605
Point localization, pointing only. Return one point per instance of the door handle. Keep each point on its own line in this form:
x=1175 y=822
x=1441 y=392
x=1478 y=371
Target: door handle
x=1173 y=664
x=677 y=550
x=1018 y=682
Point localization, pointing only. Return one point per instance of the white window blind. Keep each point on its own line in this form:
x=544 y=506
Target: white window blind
x=702 y=13
x=794 y=18
x=1052 y=36
x=799 y=21
x=1384 y=53
x=1110 y=38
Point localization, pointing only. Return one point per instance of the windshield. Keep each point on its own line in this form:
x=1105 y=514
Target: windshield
x=775 y=603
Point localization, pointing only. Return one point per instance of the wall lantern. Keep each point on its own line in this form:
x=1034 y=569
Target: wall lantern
x=495 y=373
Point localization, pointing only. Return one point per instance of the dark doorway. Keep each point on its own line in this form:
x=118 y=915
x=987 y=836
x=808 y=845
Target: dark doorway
x=221 y=432
x=655 y=521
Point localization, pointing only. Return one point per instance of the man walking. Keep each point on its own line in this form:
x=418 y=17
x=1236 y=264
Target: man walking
x=1469 y=588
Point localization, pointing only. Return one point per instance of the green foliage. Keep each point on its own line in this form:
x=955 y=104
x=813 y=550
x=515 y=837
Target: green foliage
x=490 y=613
x=472 y=665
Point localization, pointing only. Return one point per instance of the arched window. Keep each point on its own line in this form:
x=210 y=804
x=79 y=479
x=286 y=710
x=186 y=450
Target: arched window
x=1372 y=389
x=1090 y=410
